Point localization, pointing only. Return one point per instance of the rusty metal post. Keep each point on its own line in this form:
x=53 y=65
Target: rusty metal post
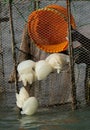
x=71 y=53
x=13 y=46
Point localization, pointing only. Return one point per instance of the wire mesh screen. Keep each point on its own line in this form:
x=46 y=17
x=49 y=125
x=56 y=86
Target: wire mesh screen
x=7 y=91
x=81 y=51
x=5 y=51
x=55 y=89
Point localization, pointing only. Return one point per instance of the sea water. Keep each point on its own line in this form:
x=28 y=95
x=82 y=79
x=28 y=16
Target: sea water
x=46 y=119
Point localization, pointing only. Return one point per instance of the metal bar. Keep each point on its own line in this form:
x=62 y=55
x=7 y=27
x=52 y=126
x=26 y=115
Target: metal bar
x=71 y=53
x=13 y=46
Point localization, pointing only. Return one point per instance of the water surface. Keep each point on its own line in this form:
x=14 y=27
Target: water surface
x=46 y=119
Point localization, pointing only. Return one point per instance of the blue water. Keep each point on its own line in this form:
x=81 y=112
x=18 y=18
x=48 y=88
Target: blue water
x=47 y=119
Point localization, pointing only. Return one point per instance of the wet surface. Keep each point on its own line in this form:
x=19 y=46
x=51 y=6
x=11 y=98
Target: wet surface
x=46 y=119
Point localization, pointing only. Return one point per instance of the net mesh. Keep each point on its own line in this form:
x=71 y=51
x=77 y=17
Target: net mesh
x=55 y=89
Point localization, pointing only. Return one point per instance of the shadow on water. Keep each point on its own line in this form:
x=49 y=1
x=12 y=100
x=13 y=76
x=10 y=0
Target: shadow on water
x=46 y=119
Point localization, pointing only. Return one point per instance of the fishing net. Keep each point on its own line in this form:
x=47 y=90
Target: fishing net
x=56 y=88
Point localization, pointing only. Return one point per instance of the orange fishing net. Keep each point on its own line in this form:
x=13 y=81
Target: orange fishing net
x=48 y=28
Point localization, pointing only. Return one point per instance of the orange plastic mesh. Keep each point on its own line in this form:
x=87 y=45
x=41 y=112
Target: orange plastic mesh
x=48 y=28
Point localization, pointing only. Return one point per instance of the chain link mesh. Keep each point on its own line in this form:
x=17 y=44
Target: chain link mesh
x=56 y=88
